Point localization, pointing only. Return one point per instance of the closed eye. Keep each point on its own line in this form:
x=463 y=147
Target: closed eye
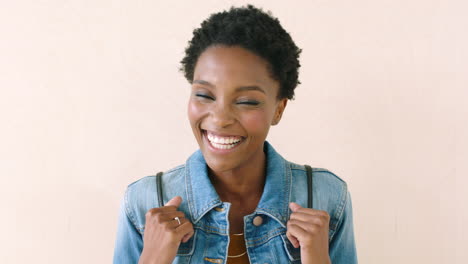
x=204 y=96
x=248 y=102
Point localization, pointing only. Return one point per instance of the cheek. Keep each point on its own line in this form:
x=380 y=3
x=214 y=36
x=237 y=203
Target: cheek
x=257 y=122
x=195 y=111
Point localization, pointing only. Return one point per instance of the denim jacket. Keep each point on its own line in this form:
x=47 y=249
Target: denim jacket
x=266 y=242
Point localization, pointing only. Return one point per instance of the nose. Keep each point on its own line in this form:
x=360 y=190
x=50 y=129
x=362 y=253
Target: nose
x=222 y=115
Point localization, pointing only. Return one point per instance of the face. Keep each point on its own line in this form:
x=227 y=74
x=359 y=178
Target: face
x=232 y=105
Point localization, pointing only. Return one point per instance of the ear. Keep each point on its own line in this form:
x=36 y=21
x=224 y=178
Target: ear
x=281 y=105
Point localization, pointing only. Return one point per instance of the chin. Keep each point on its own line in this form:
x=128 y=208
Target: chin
x=219 y=165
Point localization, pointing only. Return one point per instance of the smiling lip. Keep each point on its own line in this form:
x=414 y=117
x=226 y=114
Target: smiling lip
x=221 y=143
x=220 y=134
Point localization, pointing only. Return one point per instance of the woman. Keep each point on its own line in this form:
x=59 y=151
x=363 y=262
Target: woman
x=236 y=200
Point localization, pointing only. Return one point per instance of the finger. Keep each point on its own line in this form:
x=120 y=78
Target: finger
x=169 y=216
x=294 y=206
x=175 y=201
x=292 y=239
x=301 y=224
x=163 y=213
x=311 y=227
x=158 y=210
x=298 y=209
x=298 y=232
x=310 y=217
x=183 y=221
x=188 y=236
x=174 y=224
x=170 y=223
x=185 y=229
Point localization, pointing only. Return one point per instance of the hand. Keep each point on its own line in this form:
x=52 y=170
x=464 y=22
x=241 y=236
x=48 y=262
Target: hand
x=308 y=228
x=163 y=234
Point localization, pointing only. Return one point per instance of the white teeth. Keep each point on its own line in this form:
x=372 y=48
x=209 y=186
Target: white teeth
x=223 y=142
x=222 y=146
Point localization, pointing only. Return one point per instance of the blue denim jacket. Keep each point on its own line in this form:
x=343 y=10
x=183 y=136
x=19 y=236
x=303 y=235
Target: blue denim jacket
x=266 y=243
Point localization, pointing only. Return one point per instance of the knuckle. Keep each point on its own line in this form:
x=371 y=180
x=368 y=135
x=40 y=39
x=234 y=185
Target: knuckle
x=320 y=222
x=166 y=227
x=170 y=207
x=158 y=218
x=149 y=213
x=314 y=230
x=325 y=214
x=324 y=221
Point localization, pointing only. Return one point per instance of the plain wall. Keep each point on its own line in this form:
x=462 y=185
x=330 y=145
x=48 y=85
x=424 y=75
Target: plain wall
x=92 y=100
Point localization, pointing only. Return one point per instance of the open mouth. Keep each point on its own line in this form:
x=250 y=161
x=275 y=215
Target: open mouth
x=222 y=142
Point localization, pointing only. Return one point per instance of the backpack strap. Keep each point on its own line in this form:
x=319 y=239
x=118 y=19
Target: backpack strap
x=159 y=189
x=309 y=184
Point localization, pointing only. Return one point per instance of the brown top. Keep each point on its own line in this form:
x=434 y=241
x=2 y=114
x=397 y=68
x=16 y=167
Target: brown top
x=237 y=253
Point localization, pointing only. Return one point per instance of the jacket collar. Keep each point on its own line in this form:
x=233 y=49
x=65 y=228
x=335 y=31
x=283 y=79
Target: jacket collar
x=202 y=196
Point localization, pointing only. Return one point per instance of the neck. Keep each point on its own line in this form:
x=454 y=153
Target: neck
x=243 y=184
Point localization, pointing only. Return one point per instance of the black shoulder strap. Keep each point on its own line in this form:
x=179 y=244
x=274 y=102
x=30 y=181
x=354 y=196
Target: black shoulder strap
x=309 y=184
x=159 y=188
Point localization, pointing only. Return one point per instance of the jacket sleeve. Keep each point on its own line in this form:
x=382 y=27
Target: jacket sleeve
x=342 y=248
x=129 y=242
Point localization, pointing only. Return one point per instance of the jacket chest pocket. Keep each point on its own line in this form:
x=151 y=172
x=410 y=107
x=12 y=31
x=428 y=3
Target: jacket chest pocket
x=276 y=250
x=186 y=249
x=294 y=254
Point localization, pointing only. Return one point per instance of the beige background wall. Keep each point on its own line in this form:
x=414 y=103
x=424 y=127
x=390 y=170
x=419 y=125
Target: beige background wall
x=91 y=100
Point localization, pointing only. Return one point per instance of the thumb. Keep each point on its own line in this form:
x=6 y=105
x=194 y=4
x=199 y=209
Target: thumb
x=175 y=201
x=294 y=206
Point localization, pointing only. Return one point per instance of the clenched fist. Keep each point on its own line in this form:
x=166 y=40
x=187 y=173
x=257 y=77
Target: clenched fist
x=308 y=229
x=163 y=233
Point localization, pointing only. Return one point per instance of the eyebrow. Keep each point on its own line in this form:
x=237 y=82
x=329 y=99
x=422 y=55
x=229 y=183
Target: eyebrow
x=238 y=89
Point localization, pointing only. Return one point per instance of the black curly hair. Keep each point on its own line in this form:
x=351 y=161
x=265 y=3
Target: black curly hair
x=253 y=29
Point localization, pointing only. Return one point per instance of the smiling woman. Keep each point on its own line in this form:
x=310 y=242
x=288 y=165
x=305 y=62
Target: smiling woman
x=233 y=96
x=236 y=200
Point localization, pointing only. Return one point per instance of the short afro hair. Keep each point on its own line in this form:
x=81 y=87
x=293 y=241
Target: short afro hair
x=253 y=29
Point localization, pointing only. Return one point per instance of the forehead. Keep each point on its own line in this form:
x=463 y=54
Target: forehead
x=234 y=66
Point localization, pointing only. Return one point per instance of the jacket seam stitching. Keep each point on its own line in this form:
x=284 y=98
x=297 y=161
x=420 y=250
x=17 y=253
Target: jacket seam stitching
x=290 y=194
x=188 y=190
x=211 y=229
x=129 y=214
x=267 y=237
x=287 y=167
x=341 y=208
x=180 y=167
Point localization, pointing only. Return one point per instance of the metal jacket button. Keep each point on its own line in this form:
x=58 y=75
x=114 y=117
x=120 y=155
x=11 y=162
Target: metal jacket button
x=219 y=209
x=258 y=220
